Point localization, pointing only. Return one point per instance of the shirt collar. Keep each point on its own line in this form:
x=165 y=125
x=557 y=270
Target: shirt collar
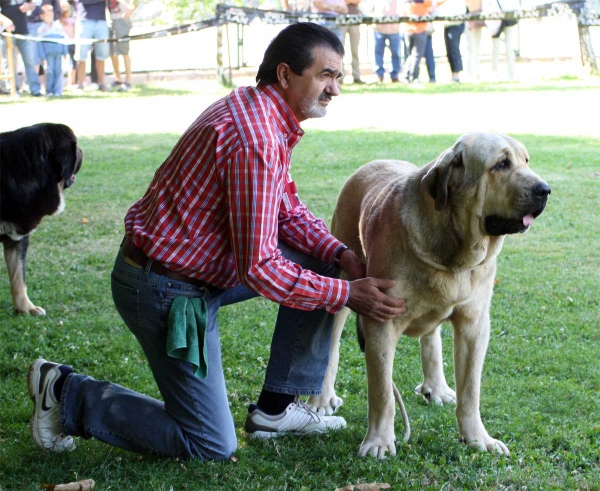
x=287 y=122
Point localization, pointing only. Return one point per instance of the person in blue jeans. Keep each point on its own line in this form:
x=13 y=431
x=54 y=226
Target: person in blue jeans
x=16 y=11
x=51 y=52
x=220 y=223
x=387 y=35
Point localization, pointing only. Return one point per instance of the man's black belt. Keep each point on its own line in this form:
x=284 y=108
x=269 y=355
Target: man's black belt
x=139 y=258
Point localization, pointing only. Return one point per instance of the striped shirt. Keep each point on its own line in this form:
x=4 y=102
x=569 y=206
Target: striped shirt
x=222 y=199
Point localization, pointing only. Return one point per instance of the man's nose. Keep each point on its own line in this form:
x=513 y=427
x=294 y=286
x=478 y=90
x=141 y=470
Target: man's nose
x=333 y=88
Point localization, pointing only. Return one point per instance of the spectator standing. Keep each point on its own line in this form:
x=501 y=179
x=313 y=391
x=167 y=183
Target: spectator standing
x=387 y=35
x=353 y=33
x=453 y=31
x=221 y=222
x=416 y=33
x=500 y=31
x=120 y=17
x=91 y=24
x=16 y=11
x=67 y=22
x=51 y=52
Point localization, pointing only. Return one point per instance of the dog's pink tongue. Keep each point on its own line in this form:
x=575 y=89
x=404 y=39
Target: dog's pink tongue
x=528 y=220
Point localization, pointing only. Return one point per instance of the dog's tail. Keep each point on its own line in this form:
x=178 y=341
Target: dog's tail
x=403 y=412
x=360 y=334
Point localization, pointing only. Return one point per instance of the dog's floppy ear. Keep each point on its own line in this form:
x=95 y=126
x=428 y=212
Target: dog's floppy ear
x=64 y=160
x=436 y=181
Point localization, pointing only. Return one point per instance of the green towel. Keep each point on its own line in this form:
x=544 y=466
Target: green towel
x=186 y=336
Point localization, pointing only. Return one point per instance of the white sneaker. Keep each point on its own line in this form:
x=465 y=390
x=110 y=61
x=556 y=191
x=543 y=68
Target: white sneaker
x=297 y=419
x=45 y=422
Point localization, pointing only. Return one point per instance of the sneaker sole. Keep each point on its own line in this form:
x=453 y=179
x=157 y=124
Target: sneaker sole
x=276 y=434
x=33 y=383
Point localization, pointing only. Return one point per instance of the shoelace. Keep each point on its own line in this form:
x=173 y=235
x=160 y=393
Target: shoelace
x=314 y=416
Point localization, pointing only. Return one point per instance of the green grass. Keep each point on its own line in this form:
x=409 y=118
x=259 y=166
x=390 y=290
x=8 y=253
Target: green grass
x=541 y=380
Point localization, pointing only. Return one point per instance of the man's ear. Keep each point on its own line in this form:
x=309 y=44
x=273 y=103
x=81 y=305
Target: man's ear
x=283 y=74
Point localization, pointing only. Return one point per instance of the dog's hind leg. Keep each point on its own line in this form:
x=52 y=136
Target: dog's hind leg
x=434 y=387
x=15 y=252
x=328 y=402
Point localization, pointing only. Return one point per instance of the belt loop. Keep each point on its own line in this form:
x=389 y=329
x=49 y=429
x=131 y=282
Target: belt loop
x=148 y=266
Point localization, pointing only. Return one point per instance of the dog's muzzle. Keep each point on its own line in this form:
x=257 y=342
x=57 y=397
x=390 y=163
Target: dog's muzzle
x=496 y=225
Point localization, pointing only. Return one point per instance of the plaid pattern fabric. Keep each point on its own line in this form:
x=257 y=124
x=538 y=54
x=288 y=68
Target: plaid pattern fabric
x=218 y=205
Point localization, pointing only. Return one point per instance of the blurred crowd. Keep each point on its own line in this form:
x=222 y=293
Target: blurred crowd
x=54 y=40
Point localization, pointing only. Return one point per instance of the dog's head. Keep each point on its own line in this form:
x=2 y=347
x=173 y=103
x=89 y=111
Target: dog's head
x=489 y=174
x=62 y=152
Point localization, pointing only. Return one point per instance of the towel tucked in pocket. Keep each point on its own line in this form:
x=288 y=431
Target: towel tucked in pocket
x=186 y=335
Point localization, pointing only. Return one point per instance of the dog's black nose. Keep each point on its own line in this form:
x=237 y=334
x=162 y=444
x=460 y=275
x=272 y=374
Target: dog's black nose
x=542 y=190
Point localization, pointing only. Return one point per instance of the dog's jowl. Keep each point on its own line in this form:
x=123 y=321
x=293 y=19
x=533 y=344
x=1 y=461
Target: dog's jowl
x=37 y=163
x=437 y=231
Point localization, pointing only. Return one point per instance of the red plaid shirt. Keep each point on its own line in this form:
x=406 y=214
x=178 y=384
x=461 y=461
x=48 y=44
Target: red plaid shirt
x=219 y=203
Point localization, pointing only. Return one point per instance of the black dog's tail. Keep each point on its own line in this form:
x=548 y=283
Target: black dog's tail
x=360 y=334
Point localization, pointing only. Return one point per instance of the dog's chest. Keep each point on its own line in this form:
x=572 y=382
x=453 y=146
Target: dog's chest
x=9 y=229
x=433 y=298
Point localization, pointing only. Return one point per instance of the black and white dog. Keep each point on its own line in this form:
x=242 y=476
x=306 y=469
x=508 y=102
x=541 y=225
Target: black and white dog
x=36 y=164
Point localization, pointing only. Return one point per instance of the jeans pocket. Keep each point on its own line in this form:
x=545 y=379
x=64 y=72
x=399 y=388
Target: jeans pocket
x=127 y=302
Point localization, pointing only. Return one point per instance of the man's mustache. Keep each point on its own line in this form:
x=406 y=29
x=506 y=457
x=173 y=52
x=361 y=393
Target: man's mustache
x=325 y=97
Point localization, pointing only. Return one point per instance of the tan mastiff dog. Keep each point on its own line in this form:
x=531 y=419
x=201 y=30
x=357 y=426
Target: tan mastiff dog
x=436 y=231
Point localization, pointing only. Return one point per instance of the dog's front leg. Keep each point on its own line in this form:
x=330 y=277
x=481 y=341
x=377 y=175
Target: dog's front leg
x=15 y=252
x=470 y=345
x=328 y=402
x=434 y=387
x=380 y=345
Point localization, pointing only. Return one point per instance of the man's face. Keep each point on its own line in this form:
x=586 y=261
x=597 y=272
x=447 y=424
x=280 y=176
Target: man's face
x=309 y=94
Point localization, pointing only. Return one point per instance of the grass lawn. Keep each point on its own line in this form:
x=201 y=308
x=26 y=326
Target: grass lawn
x=541 y=380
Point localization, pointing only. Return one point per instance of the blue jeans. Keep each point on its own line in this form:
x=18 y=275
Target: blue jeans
x=429 y=58
x=393 y=43
x=452 y=36
x=28 y=50
x=54 y=75
x=416 y=47
x=194 y=420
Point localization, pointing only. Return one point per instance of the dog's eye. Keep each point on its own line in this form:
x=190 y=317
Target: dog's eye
x=504 y=165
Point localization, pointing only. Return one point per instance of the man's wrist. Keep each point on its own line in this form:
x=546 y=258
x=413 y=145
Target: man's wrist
x=338 y=256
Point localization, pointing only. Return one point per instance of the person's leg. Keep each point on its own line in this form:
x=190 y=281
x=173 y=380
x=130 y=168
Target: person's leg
x=300 y=345
x=81 y=73
x=127 y=63
x=26 y=48
x=510 y=52
x=379 y=53
x=354 y=33
x=394 y=44
x=429 y=58
x=194 y=420
x=101 y=50
x=84 y=31
x=116 y=71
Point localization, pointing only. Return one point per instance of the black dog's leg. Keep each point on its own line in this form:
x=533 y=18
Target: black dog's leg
x=15 y=252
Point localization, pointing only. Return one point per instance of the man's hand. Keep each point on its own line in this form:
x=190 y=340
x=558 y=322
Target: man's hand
x=366 y=298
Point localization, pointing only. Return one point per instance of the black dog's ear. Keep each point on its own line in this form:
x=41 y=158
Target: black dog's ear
x=64 y=160
x=436 y=181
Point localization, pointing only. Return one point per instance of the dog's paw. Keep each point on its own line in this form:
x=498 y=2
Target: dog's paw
x=439 y=394
x=30 y=309
x=487 y=444
x=378 y=448
x=324 y=404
